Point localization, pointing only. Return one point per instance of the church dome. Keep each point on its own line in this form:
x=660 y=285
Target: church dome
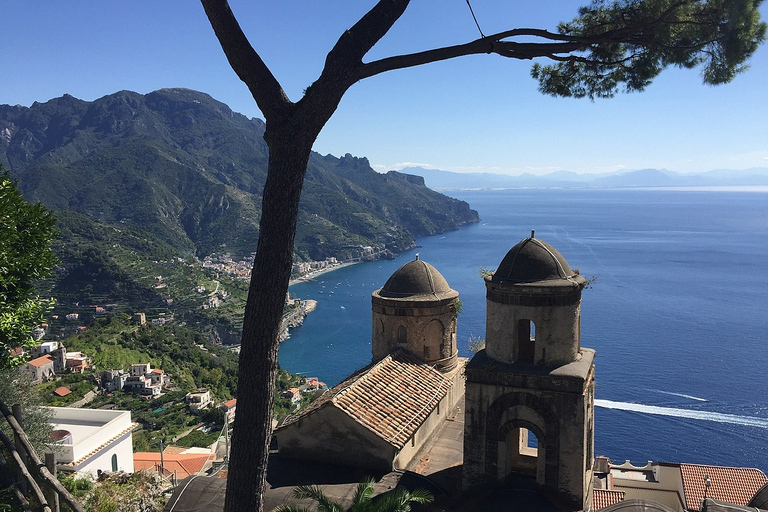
x=530 y=261
x=416 y=278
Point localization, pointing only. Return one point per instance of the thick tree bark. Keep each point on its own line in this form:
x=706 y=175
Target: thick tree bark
x=288 y=159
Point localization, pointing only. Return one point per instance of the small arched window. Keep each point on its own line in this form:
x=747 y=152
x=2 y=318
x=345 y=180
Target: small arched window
x=402 y=334
x=114 y=462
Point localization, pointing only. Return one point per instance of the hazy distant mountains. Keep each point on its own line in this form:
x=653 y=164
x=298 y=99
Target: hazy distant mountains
x=187 y=171
x=446 y=180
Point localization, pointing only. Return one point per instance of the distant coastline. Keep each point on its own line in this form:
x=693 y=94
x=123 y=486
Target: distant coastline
x=311 y=275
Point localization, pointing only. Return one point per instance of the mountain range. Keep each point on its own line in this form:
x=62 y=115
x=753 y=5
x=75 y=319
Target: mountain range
x=447 y=180
x=183 y=171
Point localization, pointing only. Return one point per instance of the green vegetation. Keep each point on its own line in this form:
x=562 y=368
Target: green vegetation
x=117 y=492
x=115 y=342
x=199 y=438
x=26 y=231
x=16 y=388
x=185 y=354
x=78 y=384
x=398 y=500
x=194 y=186
x=475 y=344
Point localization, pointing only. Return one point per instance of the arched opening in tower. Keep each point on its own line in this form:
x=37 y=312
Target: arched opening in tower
x=526 y=340
x=521 y=453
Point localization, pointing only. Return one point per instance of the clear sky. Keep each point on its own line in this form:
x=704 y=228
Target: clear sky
x=479 y=113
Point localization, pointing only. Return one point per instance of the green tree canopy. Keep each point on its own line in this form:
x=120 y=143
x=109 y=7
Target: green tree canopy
x=631 y=41
x=26 y=231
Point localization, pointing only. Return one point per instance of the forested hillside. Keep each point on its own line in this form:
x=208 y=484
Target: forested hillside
x=186 y=172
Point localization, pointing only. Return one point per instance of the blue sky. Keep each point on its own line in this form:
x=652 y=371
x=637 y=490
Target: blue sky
x=480 y=113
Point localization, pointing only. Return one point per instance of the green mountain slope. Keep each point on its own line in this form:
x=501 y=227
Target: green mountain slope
x=187 y=172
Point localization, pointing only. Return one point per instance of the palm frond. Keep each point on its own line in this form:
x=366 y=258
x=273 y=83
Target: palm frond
x=313 y=492
x=361 y=502
x=290 y=508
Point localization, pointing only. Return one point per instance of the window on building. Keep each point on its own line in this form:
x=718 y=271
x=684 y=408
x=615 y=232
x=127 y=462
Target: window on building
x=402 y=334
x=114 y=462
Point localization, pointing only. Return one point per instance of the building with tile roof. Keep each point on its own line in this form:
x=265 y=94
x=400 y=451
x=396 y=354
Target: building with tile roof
x=176 y=465
x=680 y=487
x=387 y=409
x=731 y=485
x=40 y=369
x=390 y=408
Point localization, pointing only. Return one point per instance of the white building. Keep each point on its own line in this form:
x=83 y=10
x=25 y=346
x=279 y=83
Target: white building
x=197 y=400
x=93 y=440
x=140 y=369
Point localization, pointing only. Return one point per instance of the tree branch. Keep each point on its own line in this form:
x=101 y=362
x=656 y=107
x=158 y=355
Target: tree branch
x=264 y=87
x=488 y=44
x=358 y=40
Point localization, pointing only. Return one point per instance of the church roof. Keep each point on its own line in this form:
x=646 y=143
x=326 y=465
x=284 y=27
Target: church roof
x=417 y=279
x=41 y=361
x=732 y=485
x=391 y=397
x=532 y=260
x=602 y=498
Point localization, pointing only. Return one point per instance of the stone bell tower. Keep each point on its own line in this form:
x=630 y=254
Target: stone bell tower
x=416 y=311
x=533 y=377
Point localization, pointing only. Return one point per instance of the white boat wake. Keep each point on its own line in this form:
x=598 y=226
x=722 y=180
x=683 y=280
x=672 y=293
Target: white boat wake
x=749 y=421
x=691 y=397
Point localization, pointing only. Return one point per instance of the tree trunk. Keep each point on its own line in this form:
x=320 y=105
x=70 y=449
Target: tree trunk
x=288 y=157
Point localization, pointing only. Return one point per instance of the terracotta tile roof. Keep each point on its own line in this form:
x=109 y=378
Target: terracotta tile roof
x=391 y=397
x=41 y=361
x=602 y=498
x=732 y=485
x=182 y=465
x=230 y=403
x=62 y=391
x=157 y=370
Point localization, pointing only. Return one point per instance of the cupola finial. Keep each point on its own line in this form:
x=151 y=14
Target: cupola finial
x=533 y=231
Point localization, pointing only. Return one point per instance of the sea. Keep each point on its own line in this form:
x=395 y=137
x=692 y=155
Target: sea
x=677 y=312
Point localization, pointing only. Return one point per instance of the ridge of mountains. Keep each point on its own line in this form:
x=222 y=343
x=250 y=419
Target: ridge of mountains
x=448 y=180
x=177 y=171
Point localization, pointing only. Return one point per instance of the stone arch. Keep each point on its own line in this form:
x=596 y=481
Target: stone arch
x=497 y=427
x=541 y=452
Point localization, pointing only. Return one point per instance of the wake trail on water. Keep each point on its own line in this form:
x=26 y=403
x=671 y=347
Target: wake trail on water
x=682 y=395
x=748 y=421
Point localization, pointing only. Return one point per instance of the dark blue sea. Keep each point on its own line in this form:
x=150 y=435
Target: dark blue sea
x=678 y=313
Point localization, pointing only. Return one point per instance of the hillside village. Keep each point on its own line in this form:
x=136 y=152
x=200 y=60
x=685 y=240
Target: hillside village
x=203 y=436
